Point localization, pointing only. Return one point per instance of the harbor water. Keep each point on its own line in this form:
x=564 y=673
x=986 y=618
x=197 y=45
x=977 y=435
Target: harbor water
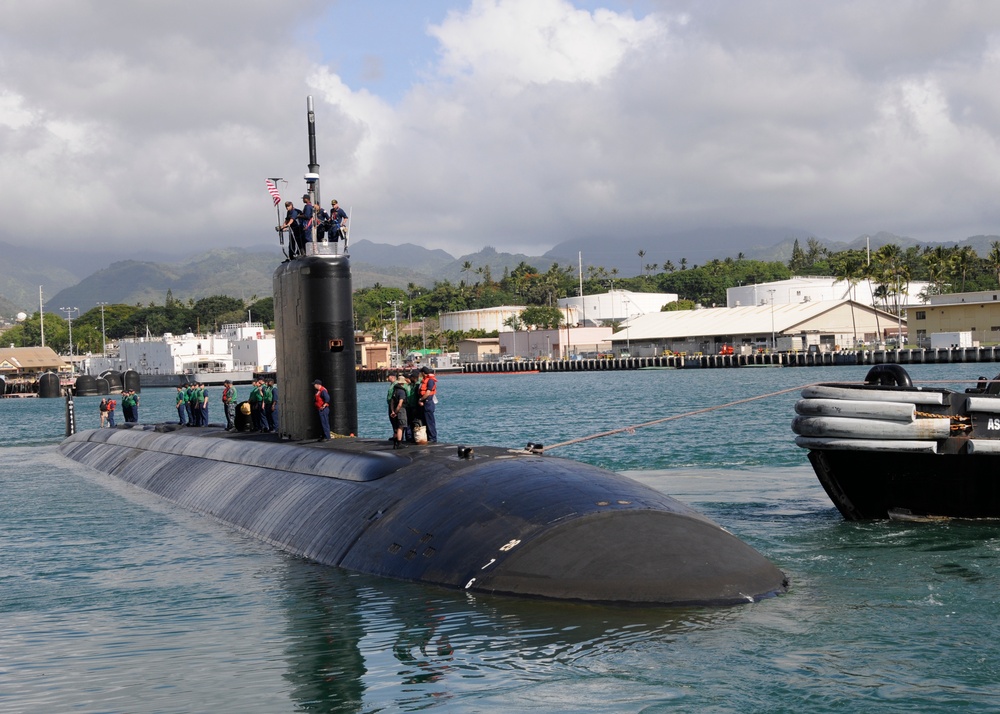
x=112 y=600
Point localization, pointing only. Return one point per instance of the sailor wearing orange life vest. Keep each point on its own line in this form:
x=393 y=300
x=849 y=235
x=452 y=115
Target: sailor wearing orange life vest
x=428 y=398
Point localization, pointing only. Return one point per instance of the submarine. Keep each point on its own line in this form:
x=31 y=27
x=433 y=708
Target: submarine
x=483 y=519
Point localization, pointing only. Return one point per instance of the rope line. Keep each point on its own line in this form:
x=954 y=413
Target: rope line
x=704 y=410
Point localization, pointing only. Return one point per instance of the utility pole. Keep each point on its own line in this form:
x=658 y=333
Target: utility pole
x=104 y=336
x=773 y=345
x=395 y=320
x=41 y=315
x=69 y=317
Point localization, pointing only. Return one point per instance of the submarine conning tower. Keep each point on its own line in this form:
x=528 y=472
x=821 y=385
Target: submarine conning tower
x=314 y=321
x=314 y=315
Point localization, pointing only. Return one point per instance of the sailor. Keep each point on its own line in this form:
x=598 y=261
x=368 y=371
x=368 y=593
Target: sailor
x=272 y=415
x=204 y=404
x=306 y=219
x=391 y=379
x=181 y=404
x=397 y=411
x=103 y=407
x=256 y=399
x=427 y=400
x=322 y=402
x=266 y=404
x=112 y=404
x=189 y=403
x=337 y=223
x=296 y=242
x=196 y=399
x=413 y=417
x=229 y=404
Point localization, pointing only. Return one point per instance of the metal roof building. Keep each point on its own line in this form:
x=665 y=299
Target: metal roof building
x=823 y=325
x=30 y=360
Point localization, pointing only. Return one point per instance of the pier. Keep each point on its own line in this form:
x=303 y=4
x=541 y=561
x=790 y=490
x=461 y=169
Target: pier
x=955 y=355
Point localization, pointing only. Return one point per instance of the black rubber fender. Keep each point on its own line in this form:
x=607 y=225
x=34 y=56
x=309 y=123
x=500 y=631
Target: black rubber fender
x=888 y=375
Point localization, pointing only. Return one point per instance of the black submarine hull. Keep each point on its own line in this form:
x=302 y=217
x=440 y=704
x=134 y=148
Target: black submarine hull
x=502 y=522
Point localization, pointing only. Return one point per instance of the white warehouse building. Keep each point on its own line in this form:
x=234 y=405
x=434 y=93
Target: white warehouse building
x=615 y=305
x=798 y=290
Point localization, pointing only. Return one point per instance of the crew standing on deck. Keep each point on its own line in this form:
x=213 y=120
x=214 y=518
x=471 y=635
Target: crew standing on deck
x=272 y=414
x=428 y=399
x=266 y=405
x=256 y=400
x=322 y=402
x=204 y=404
x=229 y=404
x=306 y=219
x=196 y=399
x=181 y=404
x=397 y=411
x=337 y=223
x=103 y=407
x=296 y=241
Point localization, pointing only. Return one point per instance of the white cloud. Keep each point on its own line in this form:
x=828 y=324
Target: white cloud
x=534 y=122
x=512 y=43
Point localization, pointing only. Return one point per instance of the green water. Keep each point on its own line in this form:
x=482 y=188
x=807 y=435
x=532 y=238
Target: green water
x=112 y=600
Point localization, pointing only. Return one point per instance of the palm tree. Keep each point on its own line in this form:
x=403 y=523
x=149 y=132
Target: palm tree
x=993 y=259
x=963 y=260
x=848 y=268
x=937 y=262
x=642 y=254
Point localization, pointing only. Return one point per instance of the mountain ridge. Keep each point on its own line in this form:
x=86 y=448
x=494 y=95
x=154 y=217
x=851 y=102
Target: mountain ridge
x=245 y=273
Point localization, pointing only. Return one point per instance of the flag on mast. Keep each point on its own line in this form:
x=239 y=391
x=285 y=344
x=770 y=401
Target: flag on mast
x=273 y=190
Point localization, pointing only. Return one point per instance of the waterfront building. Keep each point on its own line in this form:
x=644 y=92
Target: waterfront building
x=824 y=326
x=234 y=353
x=18 y=363
x=613 y=306
x=565 y=342
x=813 y=289
x=479 y=349
x=975 y=312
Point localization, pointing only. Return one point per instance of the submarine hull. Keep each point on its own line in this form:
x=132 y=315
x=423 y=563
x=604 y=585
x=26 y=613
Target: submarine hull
x=501 y=522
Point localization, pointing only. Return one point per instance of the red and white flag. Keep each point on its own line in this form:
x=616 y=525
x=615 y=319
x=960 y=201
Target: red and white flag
x=273 y=190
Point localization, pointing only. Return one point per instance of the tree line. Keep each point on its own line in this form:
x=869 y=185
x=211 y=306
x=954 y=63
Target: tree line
x=196 y=316
x=382 y=310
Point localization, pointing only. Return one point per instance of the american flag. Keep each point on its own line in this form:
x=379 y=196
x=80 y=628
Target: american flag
x=273 y=190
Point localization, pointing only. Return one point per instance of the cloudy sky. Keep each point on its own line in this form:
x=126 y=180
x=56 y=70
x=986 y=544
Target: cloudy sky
x=513 y=123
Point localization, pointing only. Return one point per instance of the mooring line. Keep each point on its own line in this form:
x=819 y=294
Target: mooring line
x=676 y=416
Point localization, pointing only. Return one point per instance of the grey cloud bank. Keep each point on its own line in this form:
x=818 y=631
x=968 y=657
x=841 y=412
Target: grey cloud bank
x=533 y=123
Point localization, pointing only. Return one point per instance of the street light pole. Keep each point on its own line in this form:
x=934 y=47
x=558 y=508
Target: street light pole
x=773 y=345
x=628 y=316
x=69 y=317
x=395 y=322
x=104 y=336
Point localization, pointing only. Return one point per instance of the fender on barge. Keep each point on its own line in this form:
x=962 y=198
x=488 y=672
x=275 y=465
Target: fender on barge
x=887 y=449
x=487 y=520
